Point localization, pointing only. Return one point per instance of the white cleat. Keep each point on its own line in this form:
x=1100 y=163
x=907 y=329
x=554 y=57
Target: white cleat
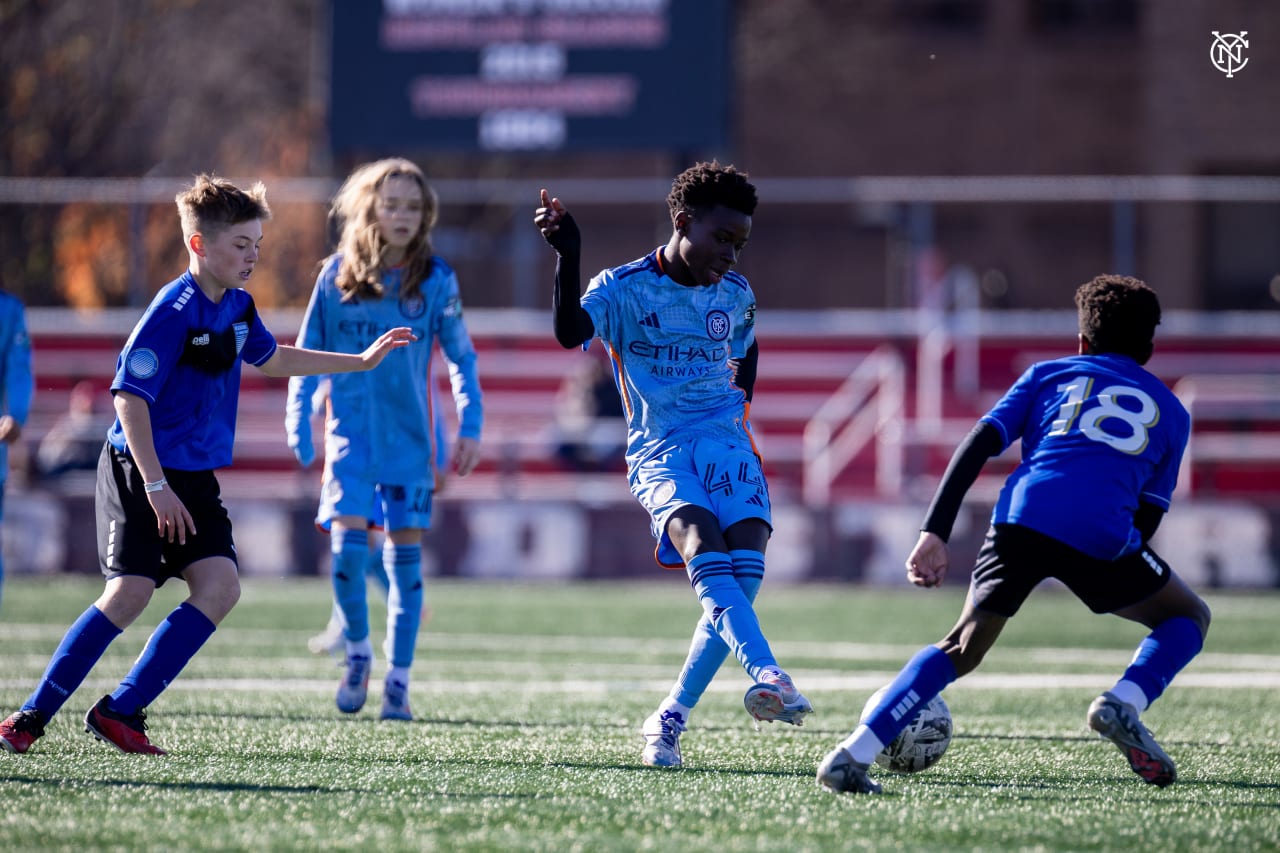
x=329 y=641
x=1118 y=722
x=395 y=700
x=775 y=698
x=840 y=774
x=354 y=687
x=661 y=732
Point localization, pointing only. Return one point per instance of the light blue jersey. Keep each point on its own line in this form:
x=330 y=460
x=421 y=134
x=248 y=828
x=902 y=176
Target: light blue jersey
x=1099 y=433
x=380 y=424
x=15 y=369
x=673 y=350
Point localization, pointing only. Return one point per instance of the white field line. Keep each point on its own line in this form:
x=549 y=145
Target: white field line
x=835 y=651
x=866 y=681
x=1212 y=670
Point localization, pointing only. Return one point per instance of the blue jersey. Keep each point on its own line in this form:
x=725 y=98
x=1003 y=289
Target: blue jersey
x=15 y=368
x=380 y=423
x=672 y=348
x=183 y=357
x=1099 y=433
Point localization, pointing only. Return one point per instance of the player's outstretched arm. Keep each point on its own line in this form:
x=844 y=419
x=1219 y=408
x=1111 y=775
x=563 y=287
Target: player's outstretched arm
x=572 y=324
x=295 y=361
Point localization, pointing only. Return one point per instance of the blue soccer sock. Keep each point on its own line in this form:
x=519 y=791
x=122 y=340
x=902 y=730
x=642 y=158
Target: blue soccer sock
x=923 y=677
x=707 y=651
x=729 y=611
x=1162 y=654
x=404 y=601
x=350 y=550
x=81 y=647
x=173 y=643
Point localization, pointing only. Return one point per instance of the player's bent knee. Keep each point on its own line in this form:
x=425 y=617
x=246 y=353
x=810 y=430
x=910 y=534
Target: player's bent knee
x=1201 y=616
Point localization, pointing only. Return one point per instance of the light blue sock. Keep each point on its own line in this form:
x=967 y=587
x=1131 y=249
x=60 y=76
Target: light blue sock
x=729 y=611
x=1163 y=653
x=350 y=555
x=924 y=677
x=170 y=647
x=707 y=651
x=404 y=602
x=377 y=571
x=81 y=647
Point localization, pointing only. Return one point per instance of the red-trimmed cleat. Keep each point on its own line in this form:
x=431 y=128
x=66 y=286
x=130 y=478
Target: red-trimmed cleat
x=126 y=733
x=20 y=730
x=1118 y=722
x=775 y=698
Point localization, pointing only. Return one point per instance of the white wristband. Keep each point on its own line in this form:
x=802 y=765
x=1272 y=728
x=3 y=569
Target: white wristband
x=156 y=486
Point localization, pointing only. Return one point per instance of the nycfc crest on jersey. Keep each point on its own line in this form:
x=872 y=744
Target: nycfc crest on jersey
x=380 y=426
x=673 y=349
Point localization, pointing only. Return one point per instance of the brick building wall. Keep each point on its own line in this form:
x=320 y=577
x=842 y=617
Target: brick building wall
x=930 y=87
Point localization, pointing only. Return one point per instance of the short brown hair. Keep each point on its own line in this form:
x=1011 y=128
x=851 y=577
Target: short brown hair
x=1119 y=313
x=211 y=204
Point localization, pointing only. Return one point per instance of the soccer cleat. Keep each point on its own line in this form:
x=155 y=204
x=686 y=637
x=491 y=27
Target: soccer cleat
x=354 y=687
x=840 y=774
x=395 y=701
x=126 y=732
x=20 y=730
x=775 y=698
x=1118 y=722
x=661 y=733
x=329 y=641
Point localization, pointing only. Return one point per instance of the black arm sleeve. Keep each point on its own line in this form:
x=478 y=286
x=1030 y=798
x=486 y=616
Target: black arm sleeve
x=745 y=378
x=572 y=324
x=1147 y=519
x=982 y=442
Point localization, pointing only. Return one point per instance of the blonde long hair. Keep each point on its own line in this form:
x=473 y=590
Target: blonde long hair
x=361 y=244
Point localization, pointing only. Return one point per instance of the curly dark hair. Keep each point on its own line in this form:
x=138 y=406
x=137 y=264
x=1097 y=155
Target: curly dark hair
x=1119 y=313
x=705 y=185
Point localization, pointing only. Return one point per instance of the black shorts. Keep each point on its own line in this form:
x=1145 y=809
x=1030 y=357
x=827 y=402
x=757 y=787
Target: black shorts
x=128 y=541
x=1014 y=559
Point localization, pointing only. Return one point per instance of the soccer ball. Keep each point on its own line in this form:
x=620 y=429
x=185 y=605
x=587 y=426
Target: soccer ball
x=922 y=742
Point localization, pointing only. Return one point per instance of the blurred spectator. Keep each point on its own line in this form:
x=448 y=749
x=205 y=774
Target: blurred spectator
x=590 y=430
x=75 y=441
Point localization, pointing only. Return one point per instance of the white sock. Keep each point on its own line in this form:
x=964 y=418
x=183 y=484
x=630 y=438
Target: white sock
x=398 y=673
x=1130 y=694
x=670 y=704
x=863 y=745
x=360 y=649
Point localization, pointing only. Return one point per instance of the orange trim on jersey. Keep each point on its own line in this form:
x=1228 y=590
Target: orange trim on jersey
x=746 y=420
x=662 y=268
x=622 y=379
x=431 y=414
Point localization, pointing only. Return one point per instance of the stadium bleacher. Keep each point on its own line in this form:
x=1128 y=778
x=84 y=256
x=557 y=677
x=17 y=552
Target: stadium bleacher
x=1225 y=379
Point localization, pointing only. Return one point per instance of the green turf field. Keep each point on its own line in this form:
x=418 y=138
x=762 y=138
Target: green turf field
x=529 y=700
